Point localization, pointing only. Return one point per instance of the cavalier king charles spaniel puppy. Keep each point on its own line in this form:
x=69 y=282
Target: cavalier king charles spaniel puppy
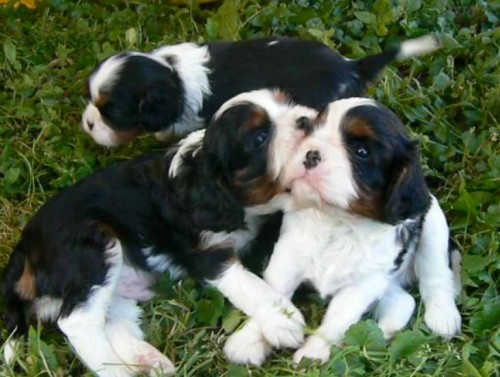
x=92 y=252
x=175 y=88
x=360 y=226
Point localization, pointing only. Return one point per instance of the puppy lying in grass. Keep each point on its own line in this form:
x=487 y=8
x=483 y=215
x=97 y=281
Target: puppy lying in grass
x=92 y=252
x=360 y=226
x=176 y=88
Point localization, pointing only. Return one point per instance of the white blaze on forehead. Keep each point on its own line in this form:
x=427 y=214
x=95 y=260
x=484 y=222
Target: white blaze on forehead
x=105 y=75
x=287 y=136
x=263 y=98
x=338 y=109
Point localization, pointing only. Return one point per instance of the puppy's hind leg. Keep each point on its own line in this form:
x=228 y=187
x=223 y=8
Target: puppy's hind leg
x=437 y=270
x=126 y=337
x=84 y=323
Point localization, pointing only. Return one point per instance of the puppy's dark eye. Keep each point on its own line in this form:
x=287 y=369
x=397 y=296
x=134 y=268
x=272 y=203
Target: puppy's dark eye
x=260 y=138
x=362 y=152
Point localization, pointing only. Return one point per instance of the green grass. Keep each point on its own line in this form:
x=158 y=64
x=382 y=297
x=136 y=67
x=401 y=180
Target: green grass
x=450 y=100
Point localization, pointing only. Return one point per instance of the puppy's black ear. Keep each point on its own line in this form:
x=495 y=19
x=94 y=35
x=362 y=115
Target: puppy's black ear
x=216 y=209
x=161 y=103
x=219 y=210
x=407 y=194
x=222 y=133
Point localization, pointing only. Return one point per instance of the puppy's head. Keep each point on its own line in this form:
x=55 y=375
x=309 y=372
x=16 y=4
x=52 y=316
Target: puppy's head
x=130 y=94
x=362 y=160
x=249 y=139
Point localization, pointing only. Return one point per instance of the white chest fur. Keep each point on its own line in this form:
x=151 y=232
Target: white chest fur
x=334 y=250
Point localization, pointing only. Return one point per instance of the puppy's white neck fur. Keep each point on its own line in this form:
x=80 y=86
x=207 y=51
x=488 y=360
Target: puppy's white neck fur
x=190 y=62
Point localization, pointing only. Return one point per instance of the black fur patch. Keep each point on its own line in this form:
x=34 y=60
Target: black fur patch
x=408 y=235
x=147 y=96
x=386 y=165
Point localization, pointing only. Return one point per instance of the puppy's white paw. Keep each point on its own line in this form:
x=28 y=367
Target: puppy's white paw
x=443 y=318
x=390 y=329
x=315 y=348
x=393 y=321
x=149 y=360
x=247 y=346
x=282 y=326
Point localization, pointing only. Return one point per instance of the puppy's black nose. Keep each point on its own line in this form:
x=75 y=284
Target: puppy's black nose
x=312 y=159
x=90 y=125
x=305 y=124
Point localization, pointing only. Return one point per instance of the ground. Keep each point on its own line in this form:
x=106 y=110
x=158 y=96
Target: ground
x=450 y=101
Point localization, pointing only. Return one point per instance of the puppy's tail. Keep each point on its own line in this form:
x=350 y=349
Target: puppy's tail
x=370 y=67
x=18 y=290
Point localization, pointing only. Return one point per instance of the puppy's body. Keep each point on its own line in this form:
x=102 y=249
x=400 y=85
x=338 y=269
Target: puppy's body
x=176 y=88
x=309 y=72
x=362 y=265
x=361 y=225
x=93 y=251
x=90 y=253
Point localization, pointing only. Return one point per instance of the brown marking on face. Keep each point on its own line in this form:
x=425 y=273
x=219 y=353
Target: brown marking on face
x=101 y=101
x=261 y=191
x=257 y=119
x=106 y=230
x=367 y=205
x=124 y=137
x=26 y=285
x=360 y=128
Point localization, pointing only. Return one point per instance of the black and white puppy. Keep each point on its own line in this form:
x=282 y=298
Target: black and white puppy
x=92 y=252
x=176 y=88
x=361 y=225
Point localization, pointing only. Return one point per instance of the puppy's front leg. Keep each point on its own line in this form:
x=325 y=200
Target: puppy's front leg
x=281 y=322
x=344 y=310
x=284 y=274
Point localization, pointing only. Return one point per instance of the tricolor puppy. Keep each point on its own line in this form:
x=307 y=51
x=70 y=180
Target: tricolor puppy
x=176 y=88
x=93 y=251
x=360 y=227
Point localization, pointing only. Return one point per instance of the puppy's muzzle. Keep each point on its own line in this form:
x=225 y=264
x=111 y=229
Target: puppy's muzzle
x=313 y=158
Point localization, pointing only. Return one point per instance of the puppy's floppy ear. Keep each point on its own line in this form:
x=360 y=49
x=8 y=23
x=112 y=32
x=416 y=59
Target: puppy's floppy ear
x=222 y=132
x=407 y=194
x=216 y=209
x=161 y=103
